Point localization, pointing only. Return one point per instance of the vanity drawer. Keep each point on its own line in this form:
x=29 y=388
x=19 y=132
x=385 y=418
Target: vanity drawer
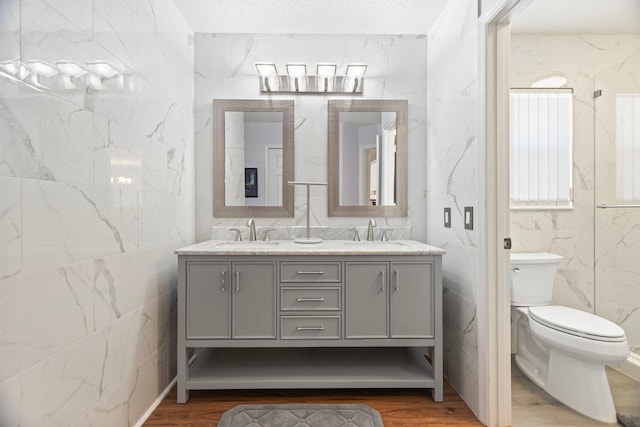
x=309 y=327
x=313 y=272
x=312 y=299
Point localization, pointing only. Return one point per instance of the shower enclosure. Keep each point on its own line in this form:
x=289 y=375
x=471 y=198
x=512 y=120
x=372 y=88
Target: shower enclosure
x=617 y=200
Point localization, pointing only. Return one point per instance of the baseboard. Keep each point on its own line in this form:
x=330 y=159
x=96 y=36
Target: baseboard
x=155 y=404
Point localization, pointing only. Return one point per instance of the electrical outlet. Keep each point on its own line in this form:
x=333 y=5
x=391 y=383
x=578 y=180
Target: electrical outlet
x=447 y=217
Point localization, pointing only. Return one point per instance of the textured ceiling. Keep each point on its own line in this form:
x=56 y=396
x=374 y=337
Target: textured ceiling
x=579 y=17
x=312 y=16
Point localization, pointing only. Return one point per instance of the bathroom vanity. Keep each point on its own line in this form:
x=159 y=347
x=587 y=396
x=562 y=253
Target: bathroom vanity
x=338 y=314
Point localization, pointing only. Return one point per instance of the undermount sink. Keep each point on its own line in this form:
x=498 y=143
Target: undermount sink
x=249 y=243
x=376 y=244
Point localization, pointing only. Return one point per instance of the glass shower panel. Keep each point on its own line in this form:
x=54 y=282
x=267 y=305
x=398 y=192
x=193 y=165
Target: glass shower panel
x=617 y=195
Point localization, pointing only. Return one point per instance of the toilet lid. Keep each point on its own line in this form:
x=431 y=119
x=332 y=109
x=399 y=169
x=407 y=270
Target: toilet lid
x=577 y=322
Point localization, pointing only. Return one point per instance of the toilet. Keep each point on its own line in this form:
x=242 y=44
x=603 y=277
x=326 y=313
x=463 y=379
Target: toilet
x=561 y=349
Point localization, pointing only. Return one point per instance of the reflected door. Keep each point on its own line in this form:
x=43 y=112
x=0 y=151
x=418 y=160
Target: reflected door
x=273 y=177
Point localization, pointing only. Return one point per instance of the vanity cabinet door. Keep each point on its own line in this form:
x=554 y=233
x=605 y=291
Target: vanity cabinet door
x=411 y=299
x=366 y=299
x=208 y=300
x=254 y=300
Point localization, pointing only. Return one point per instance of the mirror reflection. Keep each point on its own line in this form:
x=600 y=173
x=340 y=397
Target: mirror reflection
x=368 y=158
x=253 y=158
x=367 y=173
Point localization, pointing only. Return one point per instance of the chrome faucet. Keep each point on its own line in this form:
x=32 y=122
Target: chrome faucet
x=372 y=223
x=252 y=230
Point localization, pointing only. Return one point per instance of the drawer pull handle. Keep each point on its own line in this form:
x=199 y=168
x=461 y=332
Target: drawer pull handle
x=321 y=299
x=237 y=281
x=310 y=328
x=382 y=280
x=223 y=280
x=311 y=272
x=397 y=280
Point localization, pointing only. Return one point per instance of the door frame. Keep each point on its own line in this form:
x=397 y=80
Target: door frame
x=493 y=305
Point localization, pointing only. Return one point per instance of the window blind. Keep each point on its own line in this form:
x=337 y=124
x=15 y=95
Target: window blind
x=628 y=147
x=541 y=140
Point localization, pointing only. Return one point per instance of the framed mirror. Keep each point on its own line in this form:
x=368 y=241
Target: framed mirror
x=252 y=158
x=368 y=158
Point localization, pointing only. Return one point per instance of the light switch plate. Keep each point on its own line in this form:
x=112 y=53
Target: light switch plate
x=447 y=217
x=468 y=218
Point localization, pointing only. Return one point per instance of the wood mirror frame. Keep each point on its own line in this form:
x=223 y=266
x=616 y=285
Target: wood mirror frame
x=220 y=107
x=400 y=107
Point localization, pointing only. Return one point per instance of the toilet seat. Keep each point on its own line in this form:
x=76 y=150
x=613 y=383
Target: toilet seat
x=577 y=323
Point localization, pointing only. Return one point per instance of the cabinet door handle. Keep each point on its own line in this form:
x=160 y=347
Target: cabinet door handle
x=321 y=299
x=223 y=281
x=237 y=281
x=397 y=273
x=310 y=328
x=382 y=280
x=311 y=272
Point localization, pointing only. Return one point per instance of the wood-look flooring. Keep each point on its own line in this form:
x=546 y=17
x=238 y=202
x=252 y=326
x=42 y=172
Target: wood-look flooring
x=398 y=407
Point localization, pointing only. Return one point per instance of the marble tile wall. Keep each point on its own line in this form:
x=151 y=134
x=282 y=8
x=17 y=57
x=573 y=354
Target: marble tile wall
x=96 y=190
x=397 y=69
x=452 y=177
x=599 y=270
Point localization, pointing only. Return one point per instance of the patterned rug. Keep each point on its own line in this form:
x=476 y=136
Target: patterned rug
x=629 y=420
x=301 y=415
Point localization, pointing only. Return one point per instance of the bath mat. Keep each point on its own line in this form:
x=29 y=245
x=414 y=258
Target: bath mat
x=301 y=415
x=629 y=420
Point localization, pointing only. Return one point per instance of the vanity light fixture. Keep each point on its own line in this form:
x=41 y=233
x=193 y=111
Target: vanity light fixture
x=267 y=70
x=42 y=68
x=326 y=72
x=298 y=81
x=103 y=69
x=296 y=71
x=71 y=68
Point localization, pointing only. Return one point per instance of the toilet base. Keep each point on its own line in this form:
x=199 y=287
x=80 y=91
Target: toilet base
x=581 y=385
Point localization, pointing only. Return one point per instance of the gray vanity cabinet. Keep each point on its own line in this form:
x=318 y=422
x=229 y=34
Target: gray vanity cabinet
x=254 y=300
x=366 y=299
x=389 y=300
x=280 y=317
x=208 y=314
x=411 y=287
x=231 y=300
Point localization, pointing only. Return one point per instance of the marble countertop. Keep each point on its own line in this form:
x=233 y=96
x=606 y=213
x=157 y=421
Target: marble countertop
x=326 y=247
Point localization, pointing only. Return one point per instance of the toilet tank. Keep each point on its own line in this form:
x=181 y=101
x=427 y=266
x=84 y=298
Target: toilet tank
x=532 y=276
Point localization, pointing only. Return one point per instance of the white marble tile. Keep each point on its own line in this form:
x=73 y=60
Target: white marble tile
x=162 y=220
x=42 y=314
x=117 y=155
x=45 y=138
x=451 y=163
x=126 y=282
x=79 y=14
x=61 y=389
x=460 y=345
x=65 y=224
x=10 y=228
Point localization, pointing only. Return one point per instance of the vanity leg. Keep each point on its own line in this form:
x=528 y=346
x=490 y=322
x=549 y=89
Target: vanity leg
x=183 y=393
x=183 y=351
x=436 y=351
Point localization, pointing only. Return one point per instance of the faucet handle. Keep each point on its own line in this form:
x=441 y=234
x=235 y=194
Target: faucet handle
x=266 y=237
x=356 y=235
x=385 y=234
x=238 y=235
